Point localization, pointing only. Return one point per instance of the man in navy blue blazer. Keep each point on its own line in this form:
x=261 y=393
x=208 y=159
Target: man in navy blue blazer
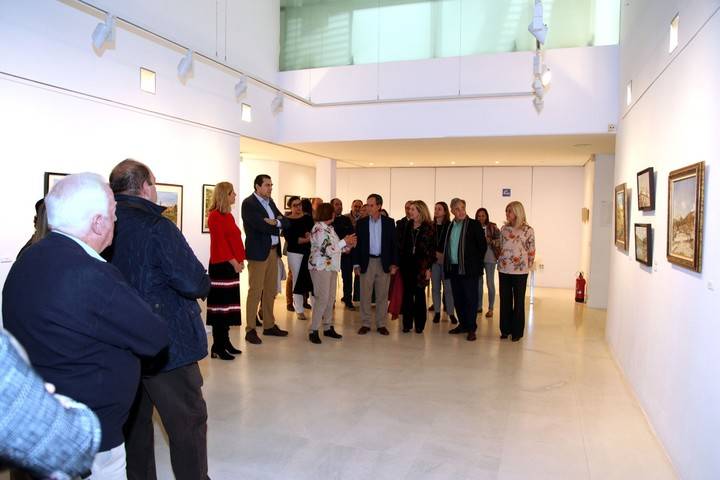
x=262 y=222
x=375 y=259
x=82 y=325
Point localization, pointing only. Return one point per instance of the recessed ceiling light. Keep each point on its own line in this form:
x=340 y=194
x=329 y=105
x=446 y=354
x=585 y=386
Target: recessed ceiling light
x=147 y=80
x=674 y=26
x=371 y=164
x=412 y=163
x=582 y=145
x=497 y=162
x=452 y=163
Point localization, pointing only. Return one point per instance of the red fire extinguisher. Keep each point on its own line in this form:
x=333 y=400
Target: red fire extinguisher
x=580 y=283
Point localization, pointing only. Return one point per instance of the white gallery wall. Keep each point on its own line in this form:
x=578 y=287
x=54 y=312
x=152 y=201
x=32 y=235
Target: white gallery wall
x=552 y=196
x=663 y=324
x=581 y=76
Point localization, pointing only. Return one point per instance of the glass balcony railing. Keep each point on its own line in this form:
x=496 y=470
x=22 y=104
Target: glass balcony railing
x=324 y=33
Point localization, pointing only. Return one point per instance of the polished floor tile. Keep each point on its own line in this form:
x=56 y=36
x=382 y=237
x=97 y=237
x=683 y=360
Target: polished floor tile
x=428 y=406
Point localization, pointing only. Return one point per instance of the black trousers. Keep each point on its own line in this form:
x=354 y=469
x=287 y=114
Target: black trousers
x=178 y=398
x=512 y=304
x=414 y=307
x=465 y=295
x=346 y=269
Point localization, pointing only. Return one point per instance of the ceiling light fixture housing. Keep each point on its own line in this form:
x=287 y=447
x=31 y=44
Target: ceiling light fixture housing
x=241 y=87
x=185 y=67
x=104 y=32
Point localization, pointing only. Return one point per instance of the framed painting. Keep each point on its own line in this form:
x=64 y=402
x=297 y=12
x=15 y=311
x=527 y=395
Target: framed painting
x=643 y=243
x=646 y=189
x=621 y=219
x=686 y=196
x=170 y=196
x=207 y=194
x=51 y=178
x=286 y=201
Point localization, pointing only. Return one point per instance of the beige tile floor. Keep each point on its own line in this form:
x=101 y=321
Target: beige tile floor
x=430 y=406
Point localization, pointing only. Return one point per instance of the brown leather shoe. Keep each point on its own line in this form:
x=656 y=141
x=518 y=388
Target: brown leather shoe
x=471 y=337
x=275 y=331
x=489 y=313
x=252 y=337
x=363 y=330
x=383 y=331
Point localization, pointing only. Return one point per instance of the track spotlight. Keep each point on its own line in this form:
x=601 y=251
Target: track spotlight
x=546 y=76
x=537 y=27
x=241 y=87
x=277 y=104
x=186 y=65
x=104 y=32
x=540 y=70
x=538 y=103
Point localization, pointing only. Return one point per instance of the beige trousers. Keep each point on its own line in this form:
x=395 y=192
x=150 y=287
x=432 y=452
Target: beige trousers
x=262 y=282
x=374 y=277
x=324 y=287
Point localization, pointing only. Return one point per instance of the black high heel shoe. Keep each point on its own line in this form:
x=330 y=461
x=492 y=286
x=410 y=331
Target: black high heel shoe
x=221 y=354
x=230 y=349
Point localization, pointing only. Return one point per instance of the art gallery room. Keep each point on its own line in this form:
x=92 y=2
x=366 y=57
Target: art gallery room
x=599 y=116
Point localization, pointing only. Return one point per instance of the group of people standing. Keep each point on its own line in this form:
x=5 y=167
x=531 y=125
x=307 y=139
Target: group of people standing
x=367 y=248
x=117 y=326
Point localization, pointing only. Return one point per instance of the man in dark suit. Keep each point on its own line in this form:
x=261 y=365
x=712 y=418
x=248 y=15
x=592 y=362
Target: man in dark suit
x=156 y=259
x=262 y=222
x=343 y=226
x=82 y=325
x=464 y=253
x=375 y=259
x=401 y=224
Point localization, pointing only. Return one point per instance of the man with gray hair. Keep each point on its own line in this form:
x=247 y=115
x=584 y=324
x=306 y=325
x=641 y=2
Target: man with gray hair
x=464 y=253
x=81 y=324
x=156 y=259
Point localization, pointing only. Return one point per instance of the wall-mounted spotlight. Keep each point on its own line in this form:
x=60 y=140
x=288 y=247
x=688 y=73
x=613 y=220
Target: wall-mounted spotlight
x=104 y=32
x=277 y=104
x=537 y=27
x=241 y=87
x=186 y=65
x=540 y=70
x=538 y=103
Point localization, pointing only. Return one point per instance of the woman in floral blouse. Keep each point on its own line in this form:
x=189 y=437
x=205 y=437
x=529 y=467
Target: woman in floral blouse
x=514 y=263
x=324 y=265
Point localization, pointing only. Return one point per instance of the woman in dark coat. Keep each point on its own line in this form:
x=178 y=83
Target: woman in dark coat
x=417 y=254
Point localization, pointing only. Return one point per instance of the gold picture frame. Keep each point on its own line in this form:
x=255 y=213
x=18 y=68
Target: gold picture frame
x=621 y=217
x=686 y=197
x=207 y=195
x=170 y=196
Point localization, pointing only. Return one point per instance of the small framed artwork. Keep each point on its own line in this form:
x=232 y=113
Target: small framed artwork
x=686 y=197
x=170 y=196
x=643 y=243
x=207 y=194
x=286 y=201
x=51 y=178
x=646 y=189
x=621 y=219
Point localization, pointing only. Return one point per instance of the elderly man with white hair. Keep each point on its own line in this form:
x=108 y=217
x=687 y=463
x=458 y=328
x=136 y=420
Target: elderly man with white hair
x=82 y=325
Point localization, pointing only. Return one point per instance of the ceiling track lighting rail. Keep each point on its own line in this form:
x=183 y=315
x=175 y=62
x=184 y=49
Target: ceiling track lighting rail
x=186 y=63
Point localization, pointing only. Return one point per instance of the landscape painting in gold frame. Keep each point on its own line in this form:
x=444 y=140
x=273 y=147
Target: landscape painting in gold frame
x=621 y=219
x=686 y=196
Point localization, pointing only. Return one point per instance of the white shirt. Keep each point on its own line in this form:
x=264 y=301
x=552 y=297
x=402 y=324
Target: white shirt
x=274 y=239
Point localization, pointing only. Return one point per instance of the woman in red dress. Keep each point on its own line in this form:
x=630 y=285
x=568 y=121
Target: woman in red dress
x=227 y=257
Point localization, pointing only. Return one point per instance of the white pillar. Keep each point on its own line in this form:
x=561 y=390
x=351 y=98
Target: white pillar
x=325 y=178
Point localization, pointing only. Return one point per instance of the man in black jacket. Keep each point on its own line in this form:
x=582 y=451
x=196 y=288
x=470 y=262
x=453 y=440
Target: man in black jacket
x=375 y=259
x=80 y=322
x=343 y=226
x=464 y=254
x=262 y=222
x=155 y=258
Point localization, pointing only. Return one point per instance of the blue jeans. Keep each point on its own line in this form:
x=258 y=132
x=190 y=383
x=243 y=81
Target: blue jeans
x=489 y=269
x=439 y=280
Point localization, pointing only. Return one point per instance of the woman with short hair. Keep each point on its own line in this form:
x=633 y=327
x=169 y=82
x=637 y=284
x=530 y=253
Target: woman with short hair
x=324 y=264
x=227 y=257
x=514 y=263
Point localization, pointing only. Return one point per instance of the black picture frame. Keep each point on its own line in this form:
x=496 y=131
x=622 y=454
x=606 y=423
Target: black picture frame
x=50 y=179
x=644 y=243
x=646 y=189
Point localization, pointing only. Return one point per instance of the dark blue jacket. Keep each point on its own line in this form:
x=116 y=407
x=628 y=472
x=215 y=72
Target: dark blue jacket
x=83 y=328
x=388 y=244
x=154 y=257
x=257 y=231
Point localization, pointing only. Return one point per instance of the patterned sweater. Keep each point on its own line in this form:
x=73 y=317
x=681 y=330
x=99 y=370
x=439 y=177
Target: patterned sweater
x=325 y=249
x=518 y=249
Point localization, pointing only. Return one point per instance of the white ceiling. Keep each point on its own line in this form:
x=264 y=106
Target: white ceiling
x=549 y=150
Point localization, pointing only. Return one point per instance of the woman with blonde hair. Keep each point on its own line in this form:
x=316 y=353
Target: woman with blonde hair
x=227 y=257
x=516 y=258
x=417 y=254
